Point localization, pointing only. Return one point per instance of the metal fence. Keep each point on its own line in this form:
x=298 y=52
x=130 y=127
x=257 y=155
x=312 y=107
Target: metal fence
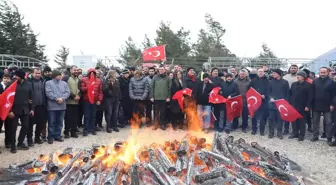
x=20 y=61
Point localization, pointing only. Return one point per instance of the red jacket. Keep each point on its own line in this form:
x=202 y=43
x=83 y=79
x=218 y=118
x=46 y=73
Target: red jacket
x=98 y=87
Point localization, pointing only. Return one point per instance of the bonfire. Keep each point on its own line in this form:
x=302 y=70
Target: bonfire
x=193 y=160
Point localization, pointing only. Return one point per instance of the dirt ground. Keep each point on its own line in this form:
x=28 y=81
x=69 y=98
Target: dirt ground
x=318 y=160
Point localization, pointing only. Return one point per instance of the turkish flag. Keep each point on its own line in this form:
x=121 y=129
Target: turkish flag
x=7 y=100
x=254 y=101
x=91 y=92
x=215 y=97
x=154 y=53
x=287 y=112
x=179 y=96
x=234 y=107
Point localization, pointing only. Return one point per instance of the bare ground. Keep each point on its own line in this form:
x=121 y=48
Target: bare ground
x=318 y=160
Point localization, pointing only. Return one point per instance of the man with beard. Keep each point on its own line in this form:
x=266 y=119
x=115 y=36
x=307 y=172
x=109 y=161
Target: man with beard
x=149 y=104
x=278 y=88
x=39 y=119
x=301 y=96
x=160 y=95
x=322 y=104
x=145 y=71
x=260 y=84
x=291 y=78
x=71 y=118
x=125 y=100
x=23 y=106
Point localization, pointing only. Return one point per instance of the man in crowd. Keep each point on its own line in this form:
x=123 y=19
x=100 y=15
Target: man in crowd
x=71 y=118
x=322 y=104
x=228 y=89
x=149 y=104
x=23 y=106
x=57 y=92
x=243 y=83
x=218 y=108
x=40 y=114
x=301 y=94
x=260 y=84
x=100 y=108
x=201 y=94
x=278 y=88
x=125 y=101
x=4 y=84
x=92 y=93
x=291 y=78
x=160 y=95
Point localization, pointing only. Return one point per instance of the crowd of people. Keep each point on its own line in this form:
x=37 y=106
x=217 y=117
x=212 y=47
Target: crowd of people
x=47 y=98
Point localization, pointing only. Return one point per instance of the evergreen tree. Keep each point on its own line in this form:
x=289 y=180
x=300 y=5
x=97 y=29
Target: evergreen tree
x=61 y=57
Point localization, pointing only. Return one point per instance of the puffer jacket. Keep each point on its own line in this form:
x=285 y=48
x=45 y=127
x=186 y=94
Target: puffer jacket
x=98 y=88
x=139 y=88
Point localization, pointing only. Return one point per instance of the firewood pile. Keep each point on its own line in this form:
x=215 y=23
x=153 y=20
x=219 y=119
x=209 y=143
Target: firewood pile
x=191 y=161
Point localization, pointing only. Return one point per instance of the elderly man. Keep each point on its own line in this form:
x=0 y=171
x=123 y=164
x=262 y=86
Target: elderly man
x=243 y=83
x=57 y=92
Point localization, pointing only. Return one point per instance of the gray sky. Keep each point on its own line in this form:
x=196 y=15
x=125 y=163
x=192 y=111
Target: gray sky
x=291 y=28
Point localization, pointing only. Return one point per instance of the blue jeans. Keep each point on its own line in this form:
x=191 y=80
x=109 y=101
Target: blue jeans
x=89 y=116
x=55 y=123
x=204 y=112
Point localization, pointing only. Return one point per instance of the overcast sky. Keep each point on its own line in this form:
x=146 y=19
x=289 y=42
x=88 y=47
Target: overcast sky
x=291 y=28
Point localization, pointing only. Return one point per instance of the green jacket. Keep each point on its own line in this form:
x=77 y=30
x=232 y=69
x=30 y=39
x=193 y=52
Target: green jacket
x=160 y=87
x=73 y=83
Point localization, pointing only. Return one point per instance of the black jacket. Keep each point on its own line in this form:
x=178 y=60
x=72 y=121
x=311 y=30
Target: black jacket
x=229 y=89
x=261 y=86
x=124 y=88
x=188 y=83
x=23 y=93
x=202 y=97
x=322 y=95
x=277 y=89
x=111 y=92
x=332 y=89
x=301 y=96
x=217 y=81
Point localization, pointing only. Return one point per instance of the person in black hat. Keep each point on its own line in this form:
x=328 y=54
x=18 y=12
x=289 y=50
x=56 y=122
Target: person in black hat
x=301 y=96
x=125 y=101
x=23 y=106
x=278 y=88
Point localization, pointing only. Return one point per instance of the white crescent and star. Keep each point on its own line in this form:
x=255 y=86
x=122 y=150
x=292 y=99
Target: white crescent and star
x=8 y=104
x=283 y=107
x=158 y=53
x=253 y=98
x=232 y=104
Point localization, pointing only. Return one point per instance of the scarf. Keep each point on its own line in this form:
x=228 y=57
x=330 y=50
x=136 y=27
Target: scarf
x=192 y=77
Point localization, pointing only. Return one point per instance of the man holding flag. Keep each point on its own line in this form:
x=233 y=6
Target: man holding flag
x=301 y=93
x=260 y=85
x=278 y=89
x=17 y=103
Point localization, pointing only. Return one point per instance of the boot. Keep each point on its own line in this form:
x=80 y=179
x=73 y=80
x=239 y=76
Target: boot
x=116 y=129
x=301 y=138
x=271 y=135
x=253 y=132
x=280 y=136
x=329 y=141
x=292 y=136
x=314 y=139
x=22 y=146
x=38 y=141
x=323 y=135
x=74 y=134
x=286 y=132
x=30 y=143
x=108 y=130
x=13 y=150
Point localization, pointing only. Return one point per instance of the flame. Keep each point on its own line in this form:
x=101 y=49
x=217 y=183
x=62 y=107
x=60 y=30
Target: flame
x=33 y=170
x=195 y=124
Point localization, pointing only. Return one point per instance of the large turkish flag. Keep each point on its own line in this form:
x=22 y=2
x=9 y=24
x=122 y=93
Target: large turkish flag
x=154 y=53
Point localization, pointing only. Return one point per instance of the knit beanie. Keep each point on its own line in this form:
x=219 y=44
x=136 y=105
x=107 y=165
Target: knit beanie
x=189 y=68
x=278 y=71
x=302 y=73
x=20 y=73
x=46 y=69
x=55 y=73
x=215 y=68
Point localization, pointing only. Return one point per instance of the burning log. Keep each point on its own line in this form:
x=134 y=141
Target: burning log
x=135 y=175
x=290 y=165
x=67 y=176
x=156 y=174
x=90 y=180
x=190 y=168
x=51 y=165
x=156 y=165
x=113 y=175
x=164 y=161
x=214 y=142
x=268 y=154
x=67 y=167
x=216 y=156
x=67 y=153
x=183 y=148
x=216 y=173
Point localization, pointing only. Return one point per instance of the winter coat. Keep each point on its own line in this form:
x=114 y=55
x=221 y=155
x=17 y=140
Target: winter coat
x=277 y=89
x=217 y=81
x=229 y=89
x=56 y=89
x=111 y=92
x=124 y=89
x=301 y=96
x=161 y=85
x=74 y=86
x=243 y=85
x=188 y=83
x=149 y=79
x=261 y=86
x=174 y=106
x=202 y=97
x=332 y=89
x=322 y=96
x=139 y=88
x=98 y=89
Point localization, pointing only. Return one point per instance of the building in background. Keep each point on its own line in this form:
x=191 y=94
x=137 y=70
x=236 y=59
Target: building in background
x=327 y=59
